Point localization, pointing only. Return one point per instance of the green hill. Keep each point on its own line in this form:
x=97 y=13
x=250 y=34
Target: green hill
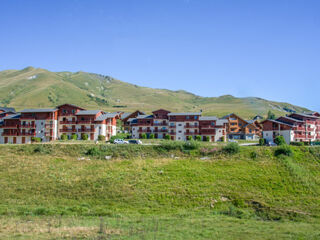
x=35 y=87
x=69 y=191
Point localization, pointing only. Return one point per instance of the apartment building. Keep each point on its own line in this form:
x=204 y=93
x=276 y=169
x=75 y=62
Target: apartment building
x=50 y=124
x=179 y=126
x=296 y=127
x=20 y=128
x=239 y=128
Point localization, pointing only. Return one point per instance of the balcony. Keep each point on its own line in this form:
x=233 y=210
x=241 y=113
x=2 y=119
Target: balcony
x=160 y=130
x=191 y=126
x=191 y=133
x=10 y=134
x=172 y=126
x=9 y=126
x=310 y=129
x=160 y=124
x=85 y=121
x=27 y=126
x=68 y=130
x=145 y=130
x=68 y=122
x=50 y=125
x=27 y=118
x=28 y=134
x=207 y=126
x=172 y=133
x=209 y=131
x=86 y=130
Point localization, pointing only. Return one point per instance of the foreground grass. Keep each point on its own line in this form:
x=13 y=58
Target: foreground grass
x=59 y=191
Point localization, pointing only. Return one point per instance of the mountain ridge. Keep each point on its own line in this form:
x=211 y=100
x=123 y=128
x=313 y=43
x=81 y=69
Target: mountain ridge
x=37 y=87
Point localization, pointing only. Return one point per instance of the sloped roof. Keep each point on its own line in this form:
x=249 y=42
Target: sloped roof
x=220 y=122
x=88 y=112
x=185 y=113
x=125 y=115
x=45 y=110
x=71 y=106
x=208 y=118
x=144 y=116
x=279 y=122
x=106 y=116
x=5 y=109
x=13 y=116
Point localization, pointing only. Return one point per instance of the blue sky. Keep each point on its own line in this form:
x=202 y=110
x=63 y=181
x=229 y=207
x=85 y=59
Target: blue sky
x=268 y=49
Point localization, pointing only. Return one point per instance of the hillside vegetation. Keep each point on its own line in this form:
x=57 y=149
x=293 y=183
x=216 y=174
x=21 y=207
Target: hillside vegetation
x=169 y=191
x=38 y=88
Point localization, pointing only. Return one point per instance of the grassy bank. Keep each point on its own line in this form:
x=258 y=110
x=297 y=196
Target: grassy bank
x=200 y=191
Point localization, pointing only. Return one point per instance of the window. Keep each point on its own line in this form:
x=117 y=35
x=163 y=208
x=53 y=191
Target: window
x=212 y=123
x=179 y=125
x=187 y=117
x=195 y=117
x=179 y=131
x=73 y=111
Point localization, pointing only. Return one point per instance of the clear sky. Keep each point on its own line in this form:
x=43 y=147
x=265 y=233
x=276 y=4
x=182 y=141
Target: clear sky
x=265 y=48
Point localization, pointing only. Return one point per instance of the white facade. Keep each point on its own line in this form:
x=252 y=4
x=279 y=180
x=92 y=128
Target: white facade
x=287 y=134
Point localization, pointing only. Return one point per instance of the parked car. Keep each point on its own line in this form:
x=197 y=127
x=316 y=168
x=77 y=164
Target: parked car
x=231 y=140
x=271 y=144
x=135 y=141
x=120 y=141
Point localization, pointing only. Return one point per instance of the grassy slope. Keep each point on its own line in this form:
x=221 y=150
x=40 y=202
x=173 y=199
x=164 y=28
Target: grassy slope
x=49 y=89
x=223 y=196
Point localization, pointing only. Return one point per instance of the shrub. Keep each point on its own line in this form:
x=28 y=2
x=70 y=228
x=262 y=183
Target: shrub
x=253 y=155
x=207 y=138
x=84 y=136
x=151 y=136
x=222 y=139
x=144 y=136
x=174 y=145
x=64 y=137
x=198 y=138
x=167 y=137
x=101 y=138
x=189 y=138
x=262 y=141
x=279 y=140
x=35 y=139
x=191 y=145
x=74 y=137
x=297 y=144
x=231 y=148
x=93 y=151
x=283 y=150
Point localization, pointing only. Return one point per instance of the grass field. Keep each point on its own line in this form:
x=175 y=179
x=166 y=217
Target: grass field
x=158 y=192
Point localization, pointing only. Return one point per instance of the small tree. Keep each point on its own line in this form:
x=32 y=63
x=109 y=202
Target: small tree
x=271 y=115
x=279 y=140
x=35 y=139
x=74 y=137
x=189 y=138
x=232 y=148
x=198 y=138
x=167 y=137
x=64 y=137
x=222 y=139
x=206 y=139
x=84 y=136
x=144 y=136
x=151 y=136
x=262 y=141
x=101 y=138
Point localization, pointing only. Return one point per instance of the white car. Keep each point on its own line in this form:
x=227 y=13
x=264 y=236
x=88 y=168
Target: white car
x=120 y=141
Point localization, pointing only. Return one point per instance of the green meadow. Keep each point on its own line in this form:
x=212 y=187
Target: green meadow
x=167 y=191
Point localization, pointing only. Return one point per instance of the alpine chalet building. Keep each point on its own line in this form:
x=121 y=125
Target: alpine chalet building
x=179 y=126
x=51 y=124
x=296 y=127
